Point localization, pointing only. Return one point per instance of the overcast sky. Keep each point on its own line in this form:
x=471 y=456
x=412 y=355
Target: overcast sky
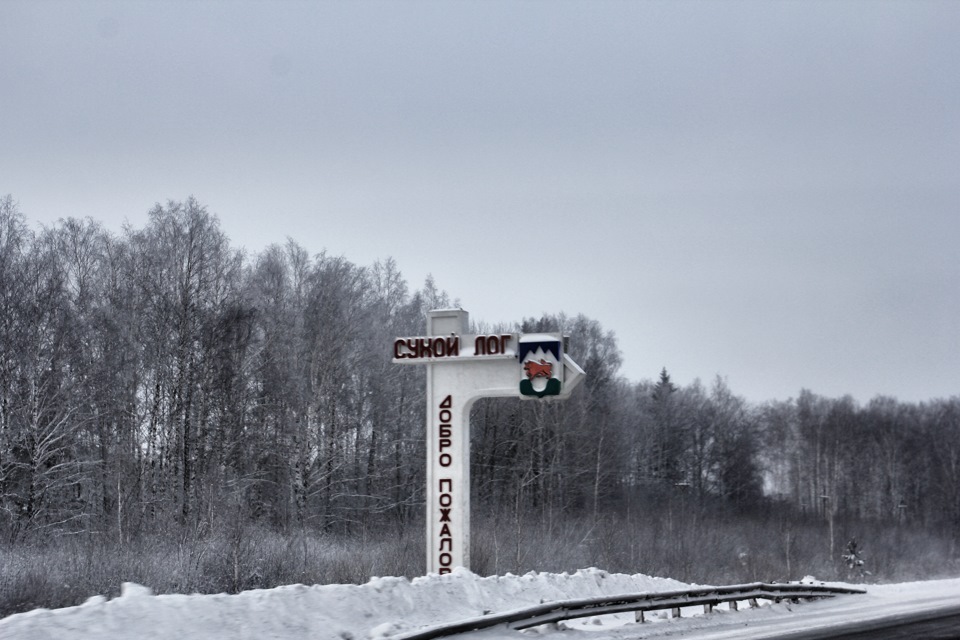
x=768 y=191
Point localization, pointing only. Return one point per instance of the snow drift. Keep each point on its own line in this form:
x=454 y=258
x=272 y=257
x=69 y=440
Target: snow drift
x=380 y=608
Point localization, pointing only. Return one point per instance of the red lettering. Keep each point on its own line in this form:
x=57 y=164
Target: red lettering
x=445 y=442
x=447 y=403
x=446 y=559
x=445 y=532
x=446 y=500
x=445 y=460
x=444 y=571
x=425 y=348
x=446 y=542
x=491 y=345
x=446 y=431
x=445 y=415
x=448 y=482
x=445 y=515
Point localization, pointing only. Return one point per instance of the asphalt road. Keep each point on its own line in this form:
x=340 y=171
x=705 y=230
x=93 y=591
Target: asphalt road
x=918 y=611
x=891 y=613
x=938 y=624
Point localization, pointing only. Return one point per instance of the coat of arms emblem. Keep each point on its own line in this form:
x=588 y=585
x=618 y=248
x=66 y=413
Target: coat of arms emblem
x=541 y=362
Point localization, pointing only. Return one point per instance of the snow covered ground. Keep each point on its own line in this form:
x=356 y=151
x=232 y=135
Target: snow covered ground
x=385 y=607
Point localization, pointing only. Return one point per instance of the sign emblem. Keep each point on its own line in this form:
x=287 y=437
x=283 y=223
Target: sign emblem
x=541 y=360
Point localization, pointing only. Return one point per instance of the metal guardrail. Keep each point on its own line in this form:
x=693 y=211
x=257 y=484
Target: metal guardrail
x=708 y=597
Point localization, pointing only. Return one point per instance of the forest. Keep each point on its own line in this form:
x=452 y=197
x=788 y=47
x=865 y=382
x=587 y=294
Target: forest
x=178 y=413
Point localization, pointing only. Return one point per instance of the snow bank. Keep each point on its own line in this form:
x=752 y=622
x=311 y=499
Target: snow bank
x=381 y=608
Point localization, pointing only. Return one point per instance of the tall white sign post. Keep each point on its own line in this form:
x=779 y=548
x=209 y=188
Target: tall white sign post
x=461 y=369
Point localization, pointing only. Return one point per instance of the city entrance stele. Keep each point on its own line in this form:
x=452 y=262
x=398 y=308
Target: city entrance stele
x=461 y=369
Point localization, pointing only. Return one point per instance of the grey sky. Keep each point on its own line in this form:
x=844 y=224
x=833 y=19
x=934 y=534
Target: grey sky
x=767 y=191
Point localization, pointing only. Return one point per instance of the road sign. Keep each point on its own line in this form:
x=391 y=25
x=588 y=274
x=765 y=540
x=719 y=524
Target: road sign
x=461 y=369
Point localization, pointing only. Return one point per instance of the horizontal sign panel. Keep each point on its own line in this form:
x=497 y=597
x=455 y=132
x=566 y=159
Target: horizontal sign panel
x=426 y=349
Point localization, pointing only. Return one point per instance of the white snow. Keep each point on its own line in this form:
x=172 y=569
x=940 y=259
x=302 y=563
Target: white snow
x=385 y=607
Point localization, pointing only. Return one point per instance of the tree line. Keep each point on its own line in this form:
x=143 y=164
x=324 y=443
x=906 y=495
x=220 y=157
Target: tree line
x=160 y=378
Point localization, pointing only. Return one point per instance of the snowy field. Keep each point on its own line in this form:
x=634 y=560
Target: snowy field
x=385 y=607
